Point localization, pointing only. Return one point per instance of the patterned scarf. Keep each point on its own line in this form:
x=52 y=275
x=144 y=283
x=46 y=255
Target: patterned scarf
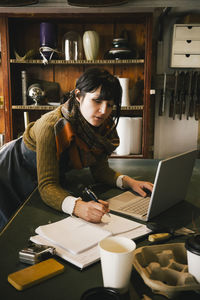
x=83 y=142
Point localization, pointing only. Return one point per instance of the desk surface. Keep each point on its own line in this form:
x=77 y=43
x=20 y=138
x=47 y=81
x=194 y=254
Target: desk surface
x=73 y=282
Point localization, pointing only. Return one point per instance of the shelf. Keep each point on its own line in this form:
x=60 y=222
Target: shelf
x=34 y=107
x=79 y=62
x=132 y=107
x=114 y=155
x=47 y=7
x=62 y=7
x=52 y=107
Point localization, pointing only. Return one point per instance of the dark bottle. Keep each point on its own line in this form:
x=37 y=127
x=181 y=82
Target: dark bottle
x=120 y=50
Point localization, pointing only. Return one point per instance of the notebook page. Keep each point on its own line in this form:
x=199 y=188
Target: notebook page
x=81 y=260
x=91 y=255
x=73 y=234
x=116 y=224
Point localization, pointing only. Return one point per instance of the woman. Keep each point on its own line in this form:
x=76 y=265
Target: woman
x=80 y=133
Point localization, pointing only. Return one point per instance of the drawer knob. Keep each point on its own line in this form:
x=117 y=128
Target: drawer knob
x=187 y=55
x=188 y=41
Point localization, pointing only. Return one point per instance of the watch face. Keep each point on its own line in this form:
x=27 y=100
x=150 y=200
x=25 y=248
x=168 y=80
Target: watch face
x=94 y=3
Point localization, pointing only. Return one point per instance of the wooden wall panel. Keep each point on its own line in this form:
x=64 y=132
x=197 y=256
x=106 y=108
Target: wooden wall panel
x=135 y=73
x=24 y=36
x=1 y=81
x=41 y=72
x=66 y=76
x=2 y=127
x=5 y=59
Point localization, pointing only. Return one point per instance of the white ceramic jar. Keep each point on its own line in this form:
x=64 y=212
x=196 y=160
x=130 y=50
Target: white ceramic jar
x=91 y=44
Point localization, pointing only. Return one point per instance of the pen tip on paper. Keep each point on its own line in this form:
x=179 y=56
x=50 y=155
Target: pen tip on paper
x=106 y=218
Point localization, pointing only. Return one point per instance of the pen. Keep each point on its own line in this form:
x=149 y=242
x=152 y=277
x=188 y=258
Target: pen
x=93 y=197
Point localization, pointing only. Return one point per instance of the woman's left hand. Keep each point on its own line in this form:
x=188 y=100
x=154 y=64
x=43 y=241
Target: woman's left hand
x=137 y=186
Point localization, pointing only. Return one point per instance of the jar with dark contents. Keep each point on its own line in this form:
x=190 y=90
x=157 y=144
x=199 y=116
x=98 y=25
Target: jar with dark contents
x=120 y=50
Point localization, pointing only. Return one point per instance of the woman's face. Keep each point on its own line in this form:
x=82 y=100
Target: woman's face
x=95 y=111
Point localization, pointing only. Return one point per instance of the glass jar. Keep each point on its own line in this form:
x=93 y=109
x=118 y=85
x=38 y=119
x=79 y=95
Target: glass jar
x=72 y=46
x=120 y=50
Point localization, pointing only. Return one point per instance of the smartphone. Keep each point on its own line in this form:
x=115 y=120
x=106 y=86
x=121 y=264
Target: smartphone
x=37 y=273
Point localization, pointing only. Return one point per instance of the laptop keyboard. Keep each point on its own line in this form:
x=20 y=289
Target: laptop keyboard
x=139 y=207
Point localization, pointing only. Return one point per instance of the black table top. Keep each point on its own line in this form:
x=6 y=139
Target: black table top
x=73 y=282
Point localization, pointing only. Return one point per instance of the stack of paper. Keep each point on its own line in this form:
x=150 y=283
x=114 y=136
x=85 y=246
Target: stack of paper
x=76 y=240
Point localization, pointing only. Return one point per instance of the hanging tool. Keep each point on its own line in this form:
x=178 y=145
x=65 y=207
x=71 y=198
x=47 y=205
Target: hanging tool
x=163 y=96
x=188 y=96
x=194 y=95
x=182 y=95
x=172 y=108
x=179 y=87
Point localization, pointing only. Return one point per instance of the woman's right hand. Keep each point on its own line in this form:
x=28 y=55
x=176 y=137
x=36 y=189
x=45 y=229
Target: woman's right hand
x=91 y=211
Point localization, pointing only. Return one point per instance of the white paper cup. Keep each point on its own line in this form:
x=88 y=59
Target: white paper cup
x=116 y=255
x=192 y=246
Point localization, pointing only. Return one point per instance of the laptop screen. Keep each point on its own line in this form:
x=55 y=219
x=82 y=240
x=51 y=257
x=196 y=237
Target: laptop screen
x=171 y=182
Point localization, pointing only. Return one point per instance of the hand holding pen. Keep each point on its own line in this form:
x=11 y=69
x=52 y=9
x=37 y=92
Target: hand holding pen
x=93 y=197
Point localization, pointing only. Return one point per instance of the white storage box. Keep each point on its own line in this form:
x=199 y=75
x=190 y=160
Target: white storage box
x=187 y=32
x=186 y=46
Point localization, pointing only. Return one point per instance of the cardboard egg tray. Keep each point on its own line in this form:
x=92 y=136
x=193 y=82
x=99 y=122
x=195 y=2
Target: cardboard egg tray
x=164 y=269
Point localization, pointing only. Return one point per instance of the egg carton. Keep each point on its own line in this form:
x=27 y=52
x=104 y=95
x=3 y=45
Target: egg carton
x=164 y=269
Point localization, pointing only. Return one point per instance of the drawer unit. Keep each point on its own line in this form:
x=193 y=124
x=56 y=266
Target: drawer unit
x=187 y=32
x=186 y=61
x=186 y=46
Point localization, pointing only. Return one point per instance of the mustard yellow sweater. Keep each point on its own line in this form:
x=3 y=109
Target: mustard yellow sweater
x=39 y=137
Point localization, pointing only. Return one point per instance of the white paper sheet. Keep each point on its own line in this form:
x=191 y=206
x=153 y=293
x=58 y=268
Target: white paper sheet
x=92 y=255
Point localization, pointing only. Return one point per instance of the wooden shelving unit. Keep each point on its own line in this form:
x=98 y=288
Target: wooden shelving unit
x=20 y=33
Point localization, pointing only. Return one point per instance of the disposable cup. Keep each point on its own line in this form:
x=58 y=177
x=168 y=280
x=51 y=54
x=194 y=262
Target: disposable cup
x=192 y=246
x=116 y=255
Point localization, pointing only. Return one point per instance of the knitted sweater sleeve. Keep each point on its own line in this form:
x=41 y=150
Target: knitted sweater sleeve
x=47 y=165
x=101 y=172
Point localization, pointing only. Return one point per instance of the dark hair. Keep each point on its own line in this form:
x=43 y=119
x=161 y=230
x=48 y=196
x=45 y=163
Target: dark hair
x=111 y=89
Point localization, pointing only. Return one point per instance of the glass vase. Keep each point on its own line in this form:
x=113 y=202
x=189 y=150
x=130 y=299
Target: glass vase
x=72 y=46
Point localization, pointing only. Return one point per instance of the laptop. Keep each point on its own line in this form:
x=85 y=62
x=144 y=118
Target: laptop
x=170 y=187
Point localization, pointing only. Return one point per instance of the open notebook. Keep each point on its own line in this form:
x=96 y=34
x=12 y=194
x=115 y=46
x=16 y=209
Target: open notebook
x=76 y=240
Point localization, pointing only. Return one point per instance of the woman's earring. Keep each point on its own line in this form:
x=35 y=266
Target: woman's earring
x=77 y=95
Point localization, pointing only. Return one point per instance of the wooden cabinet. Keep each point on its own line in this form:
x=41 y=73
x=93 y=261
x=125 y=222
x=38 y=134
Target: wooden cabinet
x=21 y=33
x=2 y=127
